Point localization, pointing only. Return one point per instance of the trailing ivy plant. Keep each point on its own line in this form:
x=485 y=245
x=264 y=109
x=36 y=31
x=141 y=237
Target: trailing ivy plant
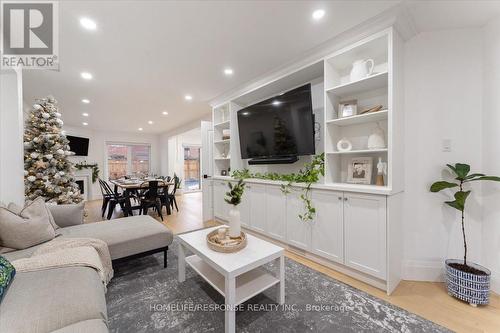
x=94 y=167
x=309 y=175
x=461 y=174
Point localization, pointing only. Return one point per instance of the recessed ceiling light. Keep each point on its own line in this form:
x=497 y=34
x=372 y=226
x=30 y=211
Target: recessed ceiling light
x=165 y=113
x=318 y=14
x=188 y=97
x=150 y=122
x=85 y=101
x=276 y=103
x=88 y=23
x=85 y=114
x=140 y=128
x=85 y=124
x=228 y=71
x=86 y=75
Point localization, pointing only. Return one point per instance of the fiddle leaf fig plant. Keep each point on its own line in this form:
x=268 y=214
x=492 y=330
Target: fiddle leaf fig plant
x=233 y=197
x=462 y=176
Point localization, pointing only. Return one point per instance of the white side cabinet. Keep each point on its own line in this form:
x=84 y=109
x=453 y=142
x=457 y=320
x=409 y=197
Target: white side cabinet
x=298 y=232
x=365 y=233
x=276 y=212
x=328 y=226
x=221 y=208
x=257 y=201
x=244 y=208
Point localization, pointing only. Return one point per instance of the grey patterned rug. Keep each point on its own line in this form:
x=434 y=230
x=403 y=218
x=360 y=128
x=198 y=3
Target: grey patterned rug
x=145 y=297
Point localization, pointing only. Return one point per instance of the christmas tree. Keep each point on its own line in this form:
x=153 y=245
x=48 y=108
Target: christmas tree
x=47 y=171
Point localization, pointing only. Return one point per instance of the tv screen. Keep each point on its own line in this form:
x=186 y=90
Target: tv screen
x=279 y=126
x=78 y=145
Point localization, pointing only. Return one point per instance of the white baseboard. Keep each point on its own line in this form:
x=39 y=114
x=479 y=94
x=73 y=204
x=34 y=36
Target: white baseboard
x=422 y=270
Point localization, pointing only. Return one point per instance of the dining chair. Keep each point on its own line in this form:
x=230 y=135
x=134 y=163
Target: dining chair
x=106 y=197
x=171 y=195
x=114 y=199
x=151 y=197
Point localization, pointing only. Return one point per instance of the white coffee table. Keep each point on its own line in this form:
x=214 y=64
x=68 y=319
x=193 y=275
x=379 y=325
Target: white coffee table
x=236 y=276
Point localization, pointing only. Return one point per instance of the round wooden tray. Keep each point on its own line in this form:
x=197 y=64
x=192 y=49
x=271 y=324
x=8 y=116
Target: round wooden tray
x=227 y=245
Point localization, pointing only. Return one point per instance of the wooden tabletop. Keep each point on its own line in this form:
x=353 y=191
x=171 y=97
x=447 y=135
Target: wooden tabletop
x=129 y=184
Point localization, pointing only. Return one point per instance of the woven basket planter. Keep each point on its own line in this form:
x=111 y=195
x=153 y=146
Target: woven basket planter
x=471 y=288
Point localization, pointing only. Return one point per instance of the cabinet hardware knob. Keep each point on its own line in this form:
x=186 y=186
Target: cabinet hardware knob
x=345 y=199
x=340 y=198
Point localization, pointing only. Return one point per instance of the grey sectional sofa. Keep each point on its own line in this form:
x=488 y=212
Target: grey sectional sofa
x=71 y=299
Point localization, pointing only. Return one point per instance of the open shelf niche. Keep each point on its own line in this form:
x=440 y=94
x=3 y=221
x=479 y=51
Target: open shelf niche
x=368 y=92
x=222 y=144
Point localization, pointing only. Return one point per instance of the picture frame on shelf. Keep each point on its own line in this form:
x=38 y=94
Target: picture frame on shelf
x=347 y=108
x=359 y=170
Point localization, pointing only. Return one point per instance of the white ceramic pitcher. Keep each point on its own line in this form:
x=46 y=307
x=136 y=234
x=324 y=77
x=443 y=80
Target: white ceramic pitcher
x=360 y=69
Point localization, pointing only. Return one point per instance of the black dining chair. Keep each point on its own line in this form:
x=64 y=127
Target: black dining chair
x=150 y=198
x=106 y=197
x=113 y=198
x=171 y=195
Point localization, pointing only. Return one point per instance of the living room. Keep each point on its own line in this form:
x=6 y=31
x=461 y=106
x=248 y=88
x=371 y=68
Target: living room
x=249 y=166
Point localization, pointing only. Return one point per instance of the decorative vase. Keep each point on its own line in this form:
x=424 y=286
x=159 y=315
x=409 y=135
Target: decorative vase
x=469 y=287
x=376 y=139
x=234 y=222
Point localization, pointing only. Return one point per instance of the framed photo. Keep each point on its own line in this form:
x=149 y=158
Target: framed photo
x=359 y=170
x=348 y=108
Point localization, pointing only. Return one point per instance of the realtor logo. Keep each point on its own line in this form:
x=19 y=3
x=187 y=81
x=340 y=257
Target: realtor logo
x=29 y=34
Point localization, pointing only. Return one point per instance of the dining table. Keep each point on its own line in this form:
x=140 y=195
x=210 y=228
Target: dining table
x=131 y=186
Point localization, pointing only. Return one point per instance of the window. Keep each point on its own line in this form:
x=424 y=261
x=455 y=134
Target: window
x=128 y=159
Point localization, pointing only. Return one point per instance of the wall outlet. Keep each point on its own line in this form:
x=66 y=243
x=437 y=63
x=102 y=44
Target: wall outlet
x=446 y=145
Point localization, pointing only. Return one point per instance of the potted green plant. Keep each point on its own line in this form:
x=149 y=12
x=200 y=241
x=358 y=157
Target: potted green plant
x=233 y=197
x=467 y=281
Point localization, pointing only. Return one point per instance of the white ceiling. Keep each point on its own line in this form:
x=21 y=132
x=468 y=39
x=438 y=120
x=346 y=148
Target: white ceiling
x=146 y=55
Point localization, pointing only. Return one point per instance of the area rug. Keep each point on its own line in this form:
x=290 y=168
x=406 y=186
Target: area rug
x=145 y=297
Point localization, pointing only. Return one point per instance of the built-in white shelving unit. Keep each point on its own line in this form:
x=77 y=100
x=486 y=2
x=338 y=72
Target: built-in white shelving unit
x=356 y=229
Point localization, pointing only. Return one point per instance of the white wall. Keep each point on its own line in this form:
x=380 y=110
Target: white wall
x=491 y=151
x=97 y=144
x=11 y=138
x=443 y=100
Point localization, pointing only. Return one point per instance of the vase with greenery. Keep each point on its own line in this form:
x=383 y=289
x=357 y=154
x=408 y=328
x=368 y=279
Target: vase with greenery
x=233 y=197
x=465 y=280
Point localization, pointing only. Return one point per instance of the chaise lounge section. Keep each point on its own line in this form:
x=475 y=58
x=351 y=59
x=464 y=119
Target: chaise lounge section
x=72 y=299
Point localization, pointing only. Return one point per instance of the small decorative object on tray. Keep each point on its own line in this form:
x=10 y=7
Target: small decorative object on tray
x=219 y=240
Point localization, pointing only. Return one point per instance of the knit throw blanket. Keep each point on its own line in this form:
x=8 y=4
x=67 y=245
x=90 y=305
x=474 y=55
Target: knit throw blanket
x=70 y=252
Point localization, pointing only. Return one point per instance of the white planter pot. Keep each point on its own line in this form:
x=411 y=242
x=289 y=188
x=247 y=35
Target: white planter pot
x=234 y=222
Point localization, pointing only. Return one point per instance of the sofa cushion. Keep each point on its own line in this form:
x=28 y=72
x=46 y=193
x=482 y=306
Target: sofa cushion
x=7 y=273
x=44 y=301
x=87 y=326
x=125 y=236
x=31 y=227
x=21 y=254
x=18 y=209
x=67 y=215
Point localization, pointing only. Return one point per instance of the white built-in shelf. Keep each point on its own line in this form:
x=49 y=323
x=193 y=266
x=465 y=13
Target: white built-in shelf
x=222 y=141
x=374 y=189
x=224 y=124
x=248 y=284
x=359 y=151
x=360 y=119
x=222 y=158
x=376 y=81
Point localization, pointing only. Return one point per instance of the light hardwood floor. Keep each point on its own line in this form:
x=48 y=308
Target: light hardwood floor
x=426 y=299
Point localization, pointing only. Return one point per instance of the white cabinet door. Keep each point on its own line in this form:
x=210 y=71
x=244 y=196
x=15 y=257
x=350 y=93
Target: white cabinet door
x=328 y=227
x=257 y=198
x=365 y=233
x=244 y=208
x=298 y=232
x=276 y=212
x=220 y=206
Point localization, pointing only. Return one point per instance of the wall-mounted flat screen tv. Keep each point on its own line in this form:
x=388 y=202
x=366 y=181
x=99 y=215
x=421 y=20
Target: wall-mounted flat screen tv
x=78 y=145
x=279 y=126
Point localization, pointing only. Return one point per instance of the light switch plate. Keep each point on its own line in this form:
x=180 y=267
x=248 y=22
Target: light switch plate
x=446 y=145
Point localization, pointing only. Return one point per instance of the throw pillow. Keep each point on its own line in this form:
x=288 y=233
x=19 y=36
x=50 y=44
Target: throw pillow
x=67 y=215
x=16 y=209
x=7 y=272
x=31 y=227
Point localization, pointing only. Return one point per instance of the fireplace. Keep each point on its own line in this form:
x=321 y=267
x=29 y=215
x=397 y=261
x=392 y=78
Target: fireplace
x=81 y=185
